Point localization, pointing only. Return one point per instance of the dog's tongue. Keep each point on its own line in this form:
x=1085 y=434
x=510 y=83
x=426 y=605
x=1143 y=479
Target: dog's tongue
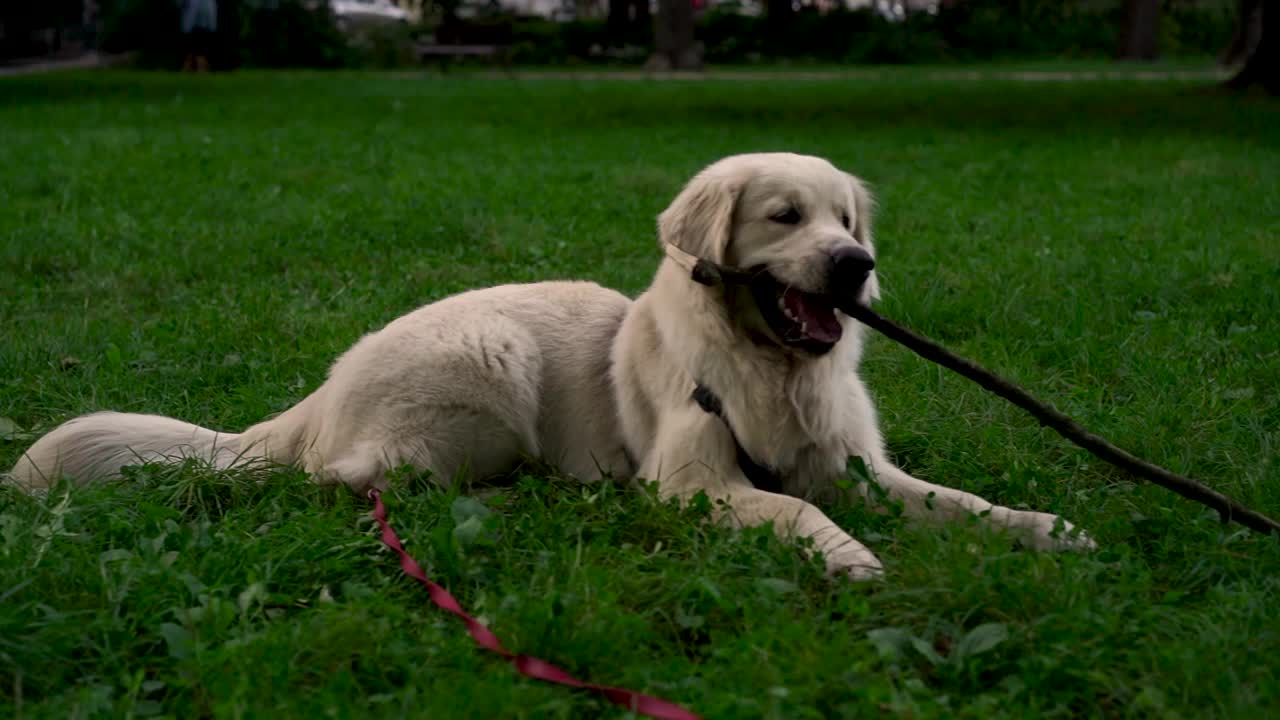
x=819 y=318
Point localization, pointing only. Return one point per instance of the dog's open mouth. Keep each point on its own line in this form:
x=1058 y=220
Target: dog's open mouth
x=799 y=319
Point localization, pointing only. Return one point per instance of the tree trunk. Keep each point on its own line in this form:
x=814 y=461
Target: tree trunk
x=778 y=39
x=618 y=22
x=89 y=24
x=674 y=48
x=1263 y=65
x=641 y=14
x=1244 y=37
x=1140 y=36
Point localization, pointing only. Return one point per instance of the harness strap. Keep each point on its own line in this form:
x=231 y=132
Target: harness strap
x=704 y=272
x=764 y=477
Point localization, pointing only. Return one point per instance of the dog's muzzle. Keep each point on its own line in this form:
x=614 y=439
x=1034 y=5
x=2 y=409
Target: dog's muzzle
x=806 y=321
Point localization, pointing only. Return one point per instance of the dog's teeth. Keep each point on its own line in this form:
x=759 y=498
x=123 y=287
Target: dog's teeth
x=786 y=311
x=804 y=328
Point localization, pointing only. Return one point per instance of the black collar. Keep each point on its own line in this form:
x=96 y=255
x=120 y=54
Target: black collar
x=764 y=477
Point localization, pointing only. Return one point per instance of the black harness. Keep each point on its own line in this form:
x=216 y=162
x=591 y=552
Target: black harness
x=764 y=477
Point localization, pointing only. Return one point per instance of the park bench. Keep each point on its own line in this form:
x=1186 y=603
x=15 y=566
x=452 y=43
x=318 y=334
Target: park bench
x=459 y=39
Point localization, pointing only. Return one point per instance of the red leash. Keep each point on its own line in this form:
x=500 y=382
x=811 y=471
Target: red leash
x=525 y=665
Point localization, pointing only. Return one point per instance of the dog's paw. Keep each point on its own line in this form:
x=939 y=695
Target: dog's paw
x=1045 y=531
x=858 y=564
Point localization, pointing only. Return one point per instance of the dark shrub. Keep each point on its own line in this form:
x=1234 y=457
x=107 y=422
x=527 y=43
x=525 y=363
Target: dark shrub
x=288 y=33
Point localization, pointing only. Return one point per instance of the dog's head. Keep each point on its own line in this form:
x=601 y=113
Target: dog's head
x=801 y=227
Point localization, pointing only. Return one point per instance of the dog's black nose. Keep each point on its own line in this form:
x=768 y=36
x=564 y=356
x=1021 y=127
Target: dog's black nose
x=850 y=266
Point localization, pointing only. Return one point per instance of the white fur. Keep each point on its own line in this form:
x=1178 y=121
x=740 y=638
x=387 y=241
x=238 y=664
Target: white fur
x=579 y=376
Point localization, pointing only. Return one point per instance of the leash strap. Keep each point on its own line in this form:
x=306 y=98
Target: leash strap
x=525 y=665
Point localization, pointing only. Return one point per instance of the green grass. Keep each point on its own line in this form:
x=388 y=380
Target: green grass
x=204 y=248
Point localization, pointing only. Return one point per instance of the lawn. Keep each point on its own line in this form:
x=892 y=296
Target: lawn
x=203 y=247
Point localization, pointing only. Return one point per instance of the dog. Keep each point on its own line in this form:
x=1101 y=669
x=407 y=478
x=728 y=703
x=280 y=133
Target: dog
x=746 y=392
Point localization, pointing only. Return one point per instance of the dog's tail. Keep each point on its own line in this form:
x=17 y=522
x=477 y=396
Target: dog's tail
x=97 y=446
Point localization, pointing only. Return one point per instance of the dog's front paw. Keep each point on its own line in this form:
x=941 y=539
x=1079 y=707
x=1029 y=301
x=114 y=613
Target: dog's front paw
x=857 y=564
x=1045 y=531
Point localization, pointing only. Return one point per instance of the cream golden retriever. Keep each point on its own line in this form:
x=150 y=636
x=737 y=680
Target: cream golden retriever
x=747 y=392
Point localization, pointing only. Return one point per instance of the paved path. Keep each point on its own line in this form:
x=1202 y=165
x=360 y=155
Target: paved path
x=93 y=59
x=855 y=74
x=87 y=60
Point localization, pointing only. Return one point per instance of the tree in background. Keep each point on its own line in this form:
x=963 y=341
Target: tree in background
x=1244 y=39
x=1262 y=61
x=1140 y=35
x=628 y=19
x=39 y=28
x=778 y=12
x=674 y=45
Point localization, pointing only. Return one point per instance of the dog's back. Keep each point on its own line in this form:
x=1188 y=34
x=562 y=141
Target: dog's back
x=471 y=383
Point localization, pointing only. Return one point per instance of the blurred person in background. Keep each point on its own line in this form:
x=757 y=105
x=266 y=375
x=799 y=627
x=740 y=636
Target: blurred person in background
x=199 y=26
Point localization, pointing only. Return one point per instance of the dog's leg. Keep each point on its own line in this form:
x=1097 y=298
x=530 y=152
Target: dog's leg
x=694 y=453
x=935 y=503
x=923 y=500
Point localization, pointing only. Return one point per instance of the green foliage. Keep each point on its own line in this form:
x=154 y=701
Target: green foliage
x=543 y=42
x=1191 y=28
x=279 y=33
x=205 y=246
x=970 y=30
x=21 y=24
x=290 y=33
x=149 y=27
x=298 y=33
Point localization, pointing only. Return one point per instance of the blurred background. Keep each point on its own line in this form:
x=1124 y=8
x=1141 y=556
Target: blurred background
x=222 y=35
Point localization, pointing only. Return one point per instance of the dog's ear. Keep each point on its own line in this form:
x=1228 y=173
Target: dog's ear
x=700 y=220
x=864 y=205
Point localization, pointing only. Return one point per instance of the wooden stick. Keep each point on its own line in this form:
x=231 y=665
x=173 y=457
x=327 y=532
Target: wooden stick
x=710 y=273
x=1229 y=510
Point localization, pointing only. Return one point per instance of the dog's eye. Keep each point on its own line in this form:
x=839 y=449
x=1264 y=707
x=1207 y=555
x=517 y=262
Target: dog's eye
x=790 y=216
x=844 y=219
